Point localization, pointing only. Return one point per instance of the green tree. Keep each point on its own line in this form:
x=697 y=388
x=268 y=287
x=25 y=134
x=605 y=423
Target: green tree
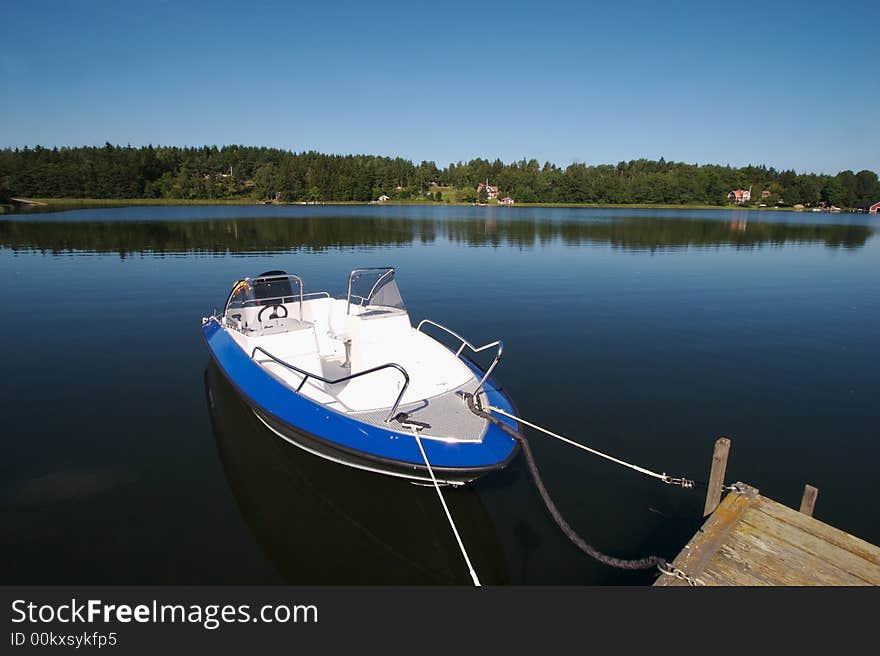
x=847 y=181
x=833 y=193
x=265 y=181
x=867 y=188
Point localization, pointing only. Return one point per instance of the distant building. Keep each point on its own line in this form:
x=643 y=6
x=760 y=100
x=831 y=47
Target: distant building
x=507 y=200
x=383 y=198
x=219 y=176
x=491 y=192
x=740 y=196
x=874 y=209
x=765 y=193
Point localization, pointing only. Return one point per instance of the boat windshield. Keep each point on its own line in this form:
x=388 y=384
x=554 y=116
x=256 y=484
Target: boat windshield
x=272 y=288
x=375 y=289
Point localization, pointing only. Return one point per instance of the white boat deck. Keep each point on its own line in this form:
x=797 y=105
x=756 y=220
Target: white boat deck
x=333 y=339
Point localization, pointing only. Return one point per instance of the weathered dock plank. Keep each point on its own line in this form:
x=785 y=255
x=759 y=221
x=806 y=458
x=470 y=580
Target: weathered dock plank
x=777 y=562
x=750 y=541
x=790 y=537
x=826 y=532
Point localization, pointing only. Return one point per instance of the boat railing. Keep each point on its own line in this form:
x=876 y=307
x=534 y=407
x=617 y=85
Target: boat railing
x=263 y=301
x=474 y=349
x=308 y=374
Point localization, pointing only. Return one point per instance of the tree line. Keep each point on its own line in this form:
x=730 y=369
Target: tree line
x=260 y=173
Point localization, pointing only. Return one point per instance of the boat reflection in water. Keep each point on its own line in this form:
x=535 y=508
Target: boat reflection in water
x=321 y=523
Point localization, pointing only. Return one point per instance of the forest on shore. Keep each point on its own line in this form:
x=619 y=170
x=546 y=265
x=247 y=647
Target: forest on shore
x=251 y=173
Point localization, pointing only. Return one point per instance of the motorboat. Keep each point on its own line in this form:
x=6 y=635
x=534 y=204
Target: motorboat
x=350 y=379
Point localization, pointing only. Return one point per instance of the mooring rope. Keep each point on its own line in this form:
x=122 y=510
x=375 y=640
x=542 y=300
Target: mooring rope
x=670 y=480
x=648 y=562
x=464 y=553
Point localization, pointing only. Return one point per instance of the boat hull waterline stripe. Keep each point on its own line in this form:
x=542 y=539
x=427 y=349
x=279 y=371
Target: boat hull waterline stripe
x=349 y=463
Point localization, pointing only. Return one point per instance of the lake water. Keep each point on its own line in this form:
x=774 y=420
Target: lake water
x=126 y=458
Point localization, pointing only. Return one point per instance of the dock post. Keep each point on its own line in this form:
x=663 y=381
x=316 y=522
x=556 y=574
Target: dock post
x=716 y=476
x=808 y=502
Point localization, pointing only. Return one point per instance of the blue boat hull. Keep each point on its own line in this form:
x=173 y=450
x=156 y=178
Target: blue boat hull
x=337 y=437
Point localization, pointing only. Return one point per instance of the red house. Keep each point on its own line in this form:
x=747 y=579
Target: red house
x=875 y=208
x=740 y=196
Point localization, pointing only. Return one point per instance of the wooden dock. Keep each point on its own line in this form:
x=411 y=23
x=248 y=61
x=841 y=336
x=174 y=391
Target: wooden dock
x=750 y=540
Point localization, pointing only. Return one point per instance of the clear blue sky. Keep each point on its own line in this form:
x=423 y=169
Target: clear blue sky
x=789 y=84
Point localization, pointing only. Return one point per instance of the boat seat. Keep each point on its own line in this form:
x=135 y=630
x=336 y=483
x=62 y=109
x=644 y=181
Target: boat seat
x=295 y=344
x=378 y=338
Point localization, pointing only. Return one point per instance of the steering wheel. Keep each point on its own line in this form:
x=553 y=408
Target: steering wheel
x=274 y=314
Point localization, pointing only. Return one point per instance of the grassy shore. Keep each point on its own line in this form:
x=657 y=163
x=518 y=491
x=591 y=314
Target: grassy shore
x=125 y=202
x=74 y=203
x=651 y=206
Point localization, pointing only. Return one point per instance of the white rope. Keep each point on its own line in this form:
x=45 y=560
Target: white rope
x=446 y=509
x=647 y=472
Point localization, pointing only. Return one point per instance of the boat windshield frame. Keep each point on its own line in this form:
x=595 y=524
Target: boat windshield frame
x=389 y=273
x=250 y=283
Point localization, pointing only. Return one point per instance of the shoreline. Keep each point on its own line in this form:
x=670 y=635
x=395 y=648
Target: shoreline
x=61 y=204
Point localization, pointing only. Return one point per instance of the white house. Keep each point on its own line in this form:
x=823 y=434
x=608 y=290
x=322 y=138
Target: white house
x=491 y=192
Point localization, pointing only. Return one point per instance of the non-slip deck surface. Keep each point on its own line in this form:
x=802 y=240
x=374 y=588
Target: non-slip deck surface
x=447 y=414
x=753 y=541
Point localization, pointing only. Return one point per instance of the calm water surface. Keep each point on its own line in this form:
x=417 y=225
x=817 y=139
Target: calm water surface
x=126 y=458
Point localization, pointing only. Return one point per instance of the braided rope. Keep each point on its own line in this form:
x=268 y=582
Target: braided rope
x=669 y=480
x=648 y=562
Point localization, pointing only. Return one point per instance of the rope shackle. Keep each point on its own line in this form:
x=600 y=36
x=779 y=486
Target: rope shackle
x=685 y=483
